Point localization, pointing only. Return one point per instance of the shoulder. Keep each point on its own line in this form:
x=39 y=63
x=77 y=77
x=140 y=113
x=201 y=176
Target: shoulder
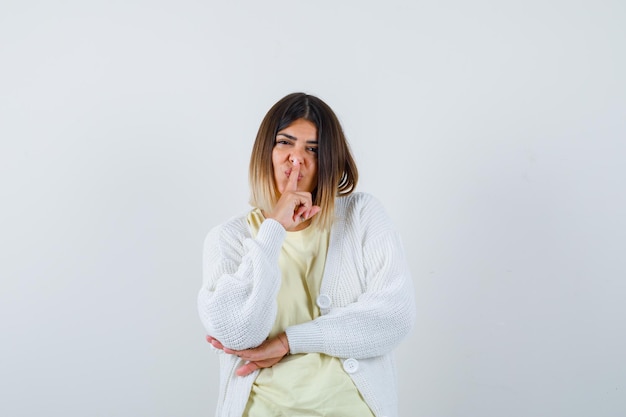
x=359 y=203
x=231 y=231
x=365 y=213
x=356 y=199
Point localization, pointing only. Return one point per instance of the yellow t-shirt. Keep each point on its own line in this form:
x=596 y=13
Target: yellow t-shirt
x=302 y=385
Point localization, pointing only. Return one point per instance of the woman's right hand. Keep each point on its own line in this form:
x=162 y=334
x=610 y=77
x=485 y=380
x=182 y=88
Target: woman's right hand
x=294 y=207
x=268 y=354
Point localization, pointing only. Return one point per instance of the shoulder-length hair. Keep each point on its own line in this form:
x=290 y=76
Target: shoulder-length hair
x=337 y=174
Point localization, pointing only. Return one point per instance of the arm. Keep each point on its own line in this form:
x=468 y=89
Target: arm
x=241 y=277
x=369 y=327
x=383 y=314
x=268 y=354
x=237 y=302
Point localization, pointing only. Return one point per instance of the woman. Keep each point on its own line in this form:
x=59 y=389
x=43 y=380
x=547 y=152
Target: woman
x=307 y=295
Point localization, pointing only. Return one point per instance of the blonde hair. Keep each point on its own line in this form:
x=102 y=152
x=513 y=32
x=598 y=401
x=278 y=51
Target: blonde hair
x=337 y=174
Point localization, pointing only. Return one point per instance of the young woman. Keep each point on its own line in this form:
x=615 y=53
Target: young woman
x=306 y=295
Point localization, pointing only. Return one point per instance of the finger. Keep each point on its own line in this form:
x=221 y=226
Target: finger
x=312 y=212
x=214 y=342
x=251 y=354
x=299 y=214
x=292 y=184
x=247 y=369
x=306 y=213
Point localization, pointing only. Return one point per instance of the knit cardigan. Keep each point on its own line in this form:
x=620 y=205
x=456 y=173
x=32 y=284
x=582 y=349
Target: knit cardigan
x=366 y=278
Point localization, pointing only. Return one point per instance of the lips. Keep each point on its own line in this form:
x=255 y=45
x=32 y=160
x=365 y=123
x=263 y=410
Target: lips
x=288 y=174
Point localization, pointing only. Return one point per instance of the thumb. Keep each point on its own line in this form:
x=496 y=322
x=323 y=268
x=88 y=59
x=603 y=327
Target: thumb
x=247 y=369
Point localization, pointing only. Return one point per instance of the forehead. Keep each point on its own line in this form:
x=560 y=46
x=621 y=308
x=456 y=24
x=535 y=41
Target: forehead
x=301 y=129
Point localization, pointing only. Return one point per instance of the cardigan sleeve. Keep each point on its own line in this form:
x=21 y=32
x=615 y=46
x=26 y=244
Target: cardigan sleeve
x=241 y=278
x=383 y=314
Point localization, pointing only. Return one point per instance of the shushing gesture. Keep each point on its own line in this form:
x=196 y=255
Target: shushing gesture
x=294 y=208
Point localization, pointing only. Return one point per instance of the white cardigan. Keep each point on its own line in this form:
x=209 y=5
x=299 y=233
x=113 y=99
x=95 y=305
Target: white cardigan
x=366 y=282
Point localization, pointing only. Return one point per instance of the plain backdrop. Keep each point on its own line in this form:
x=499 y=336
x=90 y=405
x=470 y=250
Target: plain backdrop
x=492 y=131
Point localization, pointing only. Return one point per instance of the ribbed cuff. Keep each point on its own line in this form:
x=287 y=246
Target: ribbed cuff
x=305 y=338
x=270 y=236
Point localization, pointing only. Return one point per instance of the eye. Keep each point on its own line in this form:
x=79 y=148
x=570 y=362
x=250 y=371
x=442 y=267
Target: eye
x=281 y=142
x=312 y=149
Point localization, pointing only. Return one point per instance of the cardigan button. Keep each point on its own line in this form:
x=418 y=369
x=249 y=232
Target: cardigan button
x=350 y=365
x=323 y=301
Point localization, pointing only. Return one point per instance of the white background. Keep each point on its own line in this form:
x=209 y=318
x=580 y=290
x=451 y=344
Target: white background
x=493 y=132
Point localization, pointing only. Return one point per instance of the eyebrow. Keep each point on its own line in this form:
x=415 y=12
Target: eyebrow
x=295 y=138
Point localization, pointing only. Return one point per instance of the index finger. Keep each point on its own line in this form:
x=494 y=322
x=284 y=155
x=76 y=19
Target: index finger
x=292 y=184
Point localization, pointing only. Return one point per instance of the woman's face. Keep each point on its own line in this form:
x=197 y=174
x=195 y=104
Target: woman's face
x=296 y=144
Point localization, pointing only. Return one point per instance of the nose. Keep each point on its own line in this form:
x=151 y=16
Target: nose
x=296 y=155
